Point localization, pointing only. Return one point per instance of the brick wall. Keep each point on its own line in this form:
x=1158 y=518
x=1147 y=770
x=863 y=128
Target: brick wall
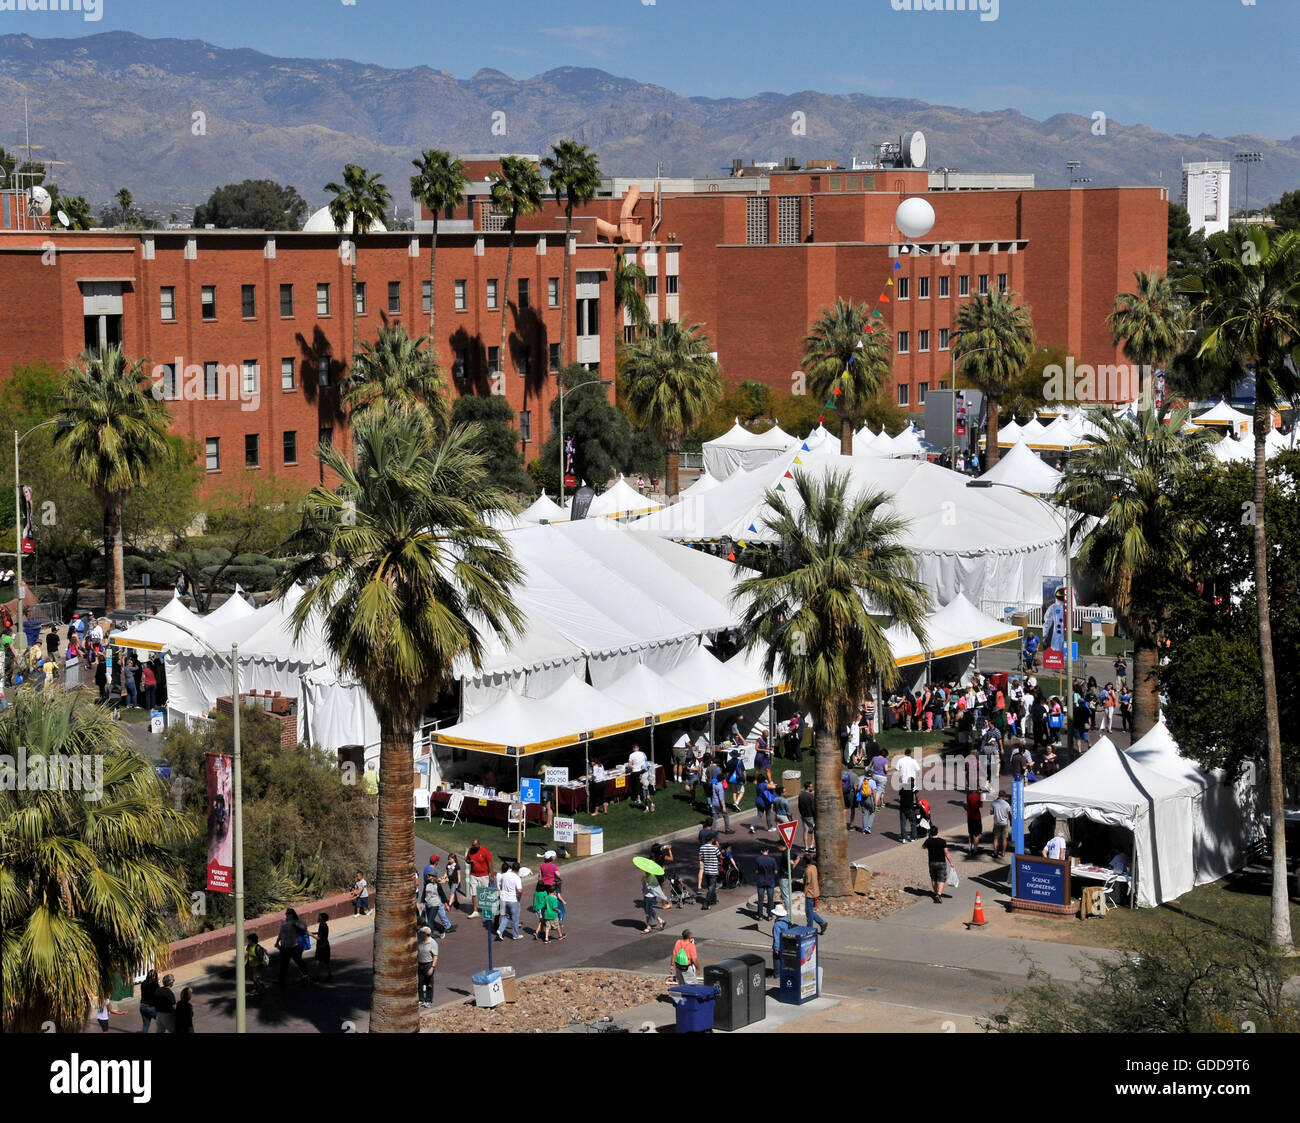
x=284 y=710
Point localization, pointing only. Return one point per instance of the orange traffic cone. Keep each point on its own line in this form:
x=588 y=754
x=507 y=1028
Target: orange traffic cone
x=978 y=921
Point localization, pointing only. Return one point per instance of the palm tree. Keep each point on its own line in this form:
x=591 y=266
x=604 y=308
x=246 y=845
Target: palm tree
x=359 y=203
x=125 y=200
x=439 y=182
x=629 y=290
x=847 y=362
x=85 y=882
x=1129 y=479
x=1247 y=311
x=396 y=373
x=994 y=343
x=112 y=435
x=670 y=382
x=78 y=212
x=516 y=192
x=575 y=175
x=809 y=610
x=1149 y=320
x=408 y=578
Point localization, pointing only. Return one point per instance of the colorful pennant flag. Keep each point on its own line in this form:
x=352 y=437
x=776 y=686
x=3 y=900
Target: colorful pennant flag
x=753 y=529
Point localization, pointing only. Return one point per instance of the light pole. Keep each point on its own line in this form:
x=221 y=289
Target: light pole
x=20 y=640
x=1069 y=596
x=237 y=818
x=563 y=395
x=1246 y=159
x=952 y=391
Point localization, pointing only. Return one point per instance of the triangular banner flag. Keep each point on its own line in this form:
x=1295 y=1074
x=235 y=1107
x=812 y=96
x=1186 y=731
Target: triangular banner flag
x=731 y=557
x=780 y=487
x=869 y=330
x=741 y=543
x=797 y=460
x=753 y=529
x=898 y=265
x=889 y=283
x=821 y=419
x=884 y=299
x=838 y=390
x=804 y=447
x=877 y=312
x=788 y=474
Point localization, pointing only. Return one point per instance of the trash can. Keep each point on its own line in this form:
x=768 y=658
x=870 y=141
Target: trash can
x=756 y=986
x=797 y=980
x=32 y=630
x=694 y=1004
x=731 y=977
x=790 y=783
x=487 y=988
x=509 y=984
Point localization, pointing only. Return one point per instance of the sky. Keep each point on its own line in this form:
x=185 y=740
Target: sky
x=1181 y=66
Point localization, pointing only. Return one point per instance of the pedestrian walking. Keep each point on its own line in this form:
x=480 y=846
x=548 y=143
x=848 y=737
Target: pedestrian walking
x=685 y=960
x=322 y=938
x=1001 y=824
x=510 y=887
x=164 y=1001
x=937 y=851
x=764 y=804
x=652 y=896
x=718 y=804
x=435 y=903
x=974 y=821
x=710 y=857
x=765 y=879
x=807 y=805
x=480 y=871
x=185 y=1011
x=426 y=963
x=866 y=797
x=550 y=916
x=360 y=896
x=907 y=773
x=811 y=891
x=455 y=879
x=148 y=989
x=106 y=1008
x=150 y=680
x=256 y=960
x=289 y=944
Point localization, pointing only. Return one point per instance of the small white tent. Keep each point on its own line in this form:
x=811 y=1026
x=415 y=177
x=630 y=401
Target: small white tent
x=544 y=507
x=1022 y=468
x=622 y=501
x=1106 y=786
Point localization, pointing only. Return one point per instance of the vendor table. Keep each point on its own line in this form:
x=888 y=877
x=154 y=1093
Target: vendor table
x=615 y=786
x=492 y=809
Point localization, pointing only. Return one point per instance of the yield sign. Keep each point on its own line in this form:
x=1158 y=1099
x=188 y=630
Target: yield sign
x=787 y=833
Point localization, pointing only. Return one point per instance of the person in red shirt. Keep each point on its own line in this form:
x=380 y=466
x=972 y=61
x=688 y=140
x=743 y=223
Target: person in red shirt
x=974 y=820
x=480 y=873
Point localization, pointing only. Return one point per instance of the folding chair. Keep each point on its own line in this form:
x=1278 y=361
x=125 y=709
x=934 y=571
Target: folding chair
x=451 y=813
x=422 y=803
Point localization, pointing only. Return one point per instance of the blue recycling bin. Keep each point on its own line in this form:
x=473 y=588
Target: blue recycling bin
x=32 y=630
x=694 y=1007
x=796 y=967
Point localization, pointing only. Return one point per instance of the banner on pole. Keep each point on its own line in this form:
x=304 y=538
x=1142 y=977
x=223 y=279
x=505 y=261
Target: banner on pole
x=221 y=866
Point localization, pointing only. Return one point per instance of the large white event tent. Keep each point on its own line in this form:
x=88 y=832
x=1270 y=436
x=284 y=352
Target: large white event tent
x=1023 y=469
x=988 y=545
x=956 y=631
x=544 y=508
x=1223 y=416
x=1107 y=786
x=1223 y=813
x=739 y=448
x=622 y=501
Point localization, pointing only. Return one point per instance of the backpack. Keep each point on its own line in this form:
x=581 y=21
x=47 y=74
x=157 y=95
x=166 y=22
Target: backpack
x=846 y=782
x=864 y=790
x=682 y=960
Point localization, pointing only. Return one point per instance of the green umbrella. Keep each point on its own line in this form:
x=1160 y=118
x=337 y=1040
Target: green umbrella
x=653 y=868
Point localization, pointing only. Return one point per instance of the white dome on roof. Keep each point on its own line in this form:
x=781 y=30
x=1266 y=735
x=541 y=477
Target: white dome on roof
x=321 y=223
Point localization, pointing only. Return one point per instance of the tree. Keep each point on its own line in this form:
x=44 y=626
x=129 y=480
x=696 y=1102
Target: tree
x=992 y=345
x=396 y=373
x=516 y=193
x=115 y=437
x=669 y=382
x=408 y=578
x=1130 y=480
x=1285 y=213
x=87 y=873
x=78 y=212
x=1149 y=321
x=1186 y=250
x=574 y=178
x=255 y=204
x=629 y=290
x=125 y=205
x=438 y=183
x=1026 y=393
x=1247 y=311
x=846 y=362
x=498 y=441
x=359 y=203
x=806 y=611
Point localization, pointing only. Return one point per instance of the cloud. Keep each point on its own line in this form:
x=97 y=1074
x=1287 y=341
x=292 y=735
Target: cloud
x=596 y=39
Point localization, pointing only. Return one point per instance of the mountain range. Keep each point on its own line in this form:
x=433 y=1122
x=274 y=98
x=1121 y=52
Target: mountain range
x=173 y=119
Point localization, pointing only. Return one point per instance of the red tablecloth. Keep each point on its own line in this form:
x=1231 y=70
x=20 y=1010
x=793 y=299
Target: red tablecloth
x=489 y=810
x=605 y=791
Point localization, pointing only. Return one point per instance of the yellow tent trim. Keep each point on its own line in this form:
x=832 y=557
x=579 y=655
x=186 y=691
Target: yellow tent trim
x=138 y=644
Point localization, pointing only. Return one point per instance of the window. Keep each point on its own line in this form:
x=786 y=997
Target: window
x=494 y=359
x=525 y=425
x=523 y=293
x=208 y=301
x=492 y=292
x=167 y=302
x=394 y=298
x=904 y=343
x=922 y=388
x=248 y=301
x=460 y=360
x=361 y=298
x=923 y=340
x=322 y=300
x=943 y=339
x=286 y=301
x=837 y=183
x=525 y=363
x=756 y=220
x=288 y=375
x=1002 y=282
x=323 y=371
x=460 y=296
x=554 y=358
x=589 y=316
x=629 y=333
x=252 y=450
x=291 y=446
x=903 y=395
x=211 y=380
x=903 y=288
x=789 y=219
x=250 y=381
x=326 y=436
x=426 y=297
x=553 y=292
x=651 y=285
x=963 y=285
x=212 y=448
x=923 y=288
x=170 y=386
x=672 y=284
x=943 y=287
x=983 y=284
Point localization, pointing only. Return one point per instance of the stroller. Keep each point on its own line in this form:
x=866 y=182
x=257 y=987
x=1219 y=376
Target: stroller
x=679 y=893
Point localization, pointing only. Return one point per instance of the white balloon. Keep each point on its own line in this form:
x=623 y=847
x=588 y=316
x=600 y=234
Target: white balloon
x=914 y=217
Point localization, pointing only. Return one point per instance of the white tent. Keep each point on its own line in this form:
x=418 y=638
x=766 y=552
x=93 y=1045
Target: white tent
x=739 y=448
x=1221 y=811
x=706 y=482
x=156 y=633
x=907 y=443
x=1031 y=431
x=1022 y=468
x=622 y=501
x=1223 y=416
x=1058 y=436
x=1106 y=786
x=649 y=693
x=706 y=676
x=1010 y=434
x=1228 y=451
x=544 y=507
x=820 y=435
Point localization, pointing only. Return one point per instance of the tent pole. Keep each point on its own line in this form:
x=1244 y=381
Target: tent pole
x=523 y=822
x=586 y=750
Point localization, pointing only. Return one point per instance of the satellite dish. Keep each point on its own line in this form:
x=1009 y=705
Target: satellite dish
x=63 y=218
x=39 y=200
x=914 y=217
x=914 y=149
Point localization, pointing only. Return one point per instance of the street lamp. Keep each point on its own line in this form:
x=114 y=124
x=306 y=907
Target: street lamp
x=20 y=640
x=952 y=428
x=563 y=395
x=1069 y=595
x=237 y=818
